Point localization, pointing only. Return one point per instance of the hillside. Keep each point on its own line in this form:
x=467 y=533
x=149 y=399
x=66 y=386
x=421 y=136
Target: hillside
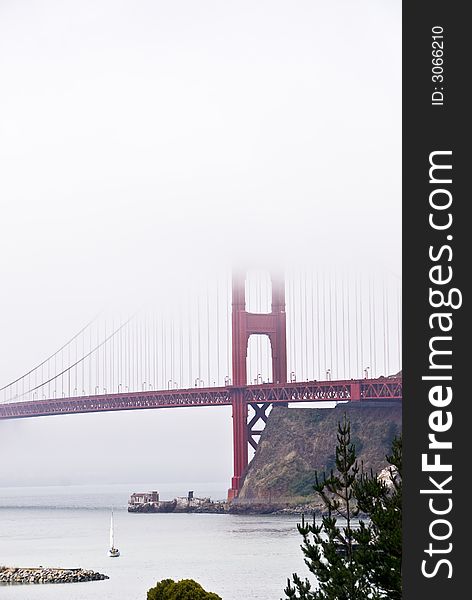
x=297 y=442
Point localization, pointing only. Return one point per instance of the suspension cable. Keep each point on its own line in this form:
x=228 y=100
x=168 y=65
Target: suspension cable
x=52 y=355
x=67 y=369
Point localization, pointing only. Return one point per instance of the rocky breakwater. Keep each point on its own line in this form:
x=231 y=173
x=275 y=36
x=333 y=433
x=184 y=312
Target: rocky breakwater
x=18 y=575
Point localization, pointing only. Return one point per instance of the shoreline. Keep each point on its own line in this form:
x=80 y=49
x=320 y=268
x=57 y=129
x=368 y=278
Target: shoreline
x=234 y=508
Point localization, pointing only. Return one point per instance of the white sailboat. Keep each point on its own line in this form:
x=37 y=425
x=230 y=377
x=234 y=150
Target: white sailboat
x=112 y=551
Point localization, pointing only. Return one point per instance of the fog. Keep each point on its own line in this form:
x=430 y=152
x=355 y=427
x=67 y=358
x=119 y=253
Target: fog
x=145 y=142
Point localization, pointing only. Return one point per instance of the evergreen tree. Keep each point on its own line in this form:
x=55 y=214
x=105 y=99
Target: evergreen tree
x=382 y=502
x=353 y=563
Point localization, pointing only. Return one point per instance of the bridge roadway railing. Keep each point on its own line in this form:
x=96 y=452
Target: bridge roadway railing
x=318 y=391
x=310 y=391
x=113 y=402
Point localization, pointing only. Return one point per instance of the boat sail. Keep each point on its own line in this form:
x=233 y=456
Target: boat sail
x=112 y=551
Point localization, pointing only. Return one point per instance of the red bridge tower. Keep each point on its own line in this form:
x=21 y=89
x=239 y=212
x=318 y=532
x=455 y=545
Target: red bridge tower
x=245 y=324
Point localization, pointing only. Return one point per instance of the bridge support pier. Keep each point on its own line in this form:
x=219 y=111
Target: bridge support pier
x=240 y=441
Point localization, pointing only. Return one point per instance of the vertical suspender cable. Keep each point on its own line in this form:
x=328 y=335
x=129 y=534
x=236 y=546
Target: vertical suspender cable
x=150 y=349
x=147 y=374
x=331 y=361
x=131 y=357
x=97 y=379
x=259 y=338
x=228 y=327
x=158 y=334
x=291 y=323
x=112 y=359
x=181 y=346
x=399 y=340
x=356 y=372
x=128 y=357
x=348 y=315
x=375 y=327
x=384 y=329
x=269 y=292
x=90 y=387
x=207 y=289
x=370 y=324
x=387 y=344
x=252 y=356
x=49 y=369
x=139 y=374
x=361 y=324
x=141 y=354
x=312 y=294
x=261 y=309
x=105 y=378
x=157 y=354
x=318 y=331
x=190 y=369
x=294 y=326
x=336 y=325
x=164 y=350
x=81 y=367
x=172 y=351
x=298 y=307
x=324 y=324
x=142 y=329
x=199 y=358
x=218 y=381
x=253 y=348
x=120 y=358
x=345 y=376
x=307 y=373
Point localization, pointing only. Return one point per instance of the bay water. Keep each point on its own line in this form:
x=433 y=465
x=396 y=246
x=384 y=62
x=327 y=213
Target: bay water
x=237 y=556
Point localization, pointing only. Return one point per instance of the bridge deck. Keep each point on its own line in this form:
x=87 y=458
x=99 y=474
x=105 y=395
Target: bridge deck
x=309 y=391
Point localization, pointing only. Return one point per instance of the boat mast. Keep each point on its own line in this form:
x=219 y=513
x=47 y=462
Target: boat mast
x=112 y=536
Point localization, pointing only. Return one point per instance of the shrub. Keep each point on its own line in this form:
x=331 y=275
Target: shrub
x=185 y=589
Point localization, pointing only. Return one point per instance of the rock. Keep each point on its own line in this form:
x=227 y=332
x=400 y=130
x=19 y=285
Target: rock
x=388 y=476
x=41 y=575
x=297 y=442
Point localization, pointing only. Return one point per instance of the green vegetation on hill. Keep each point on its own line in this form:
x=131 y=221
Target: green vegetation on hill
x=354 y=561
x=299 y=441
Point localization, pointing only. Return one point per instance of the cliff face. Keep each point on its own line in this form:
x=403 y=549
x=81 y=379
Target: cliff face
x=297 y=442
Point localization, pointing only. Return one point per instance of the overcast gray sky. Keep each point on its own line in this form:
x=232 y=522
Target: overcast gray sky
x=140 y=140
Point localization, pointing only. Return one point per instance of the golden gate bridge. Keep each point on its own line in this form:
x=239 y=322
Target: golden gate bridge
x=249 y=342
